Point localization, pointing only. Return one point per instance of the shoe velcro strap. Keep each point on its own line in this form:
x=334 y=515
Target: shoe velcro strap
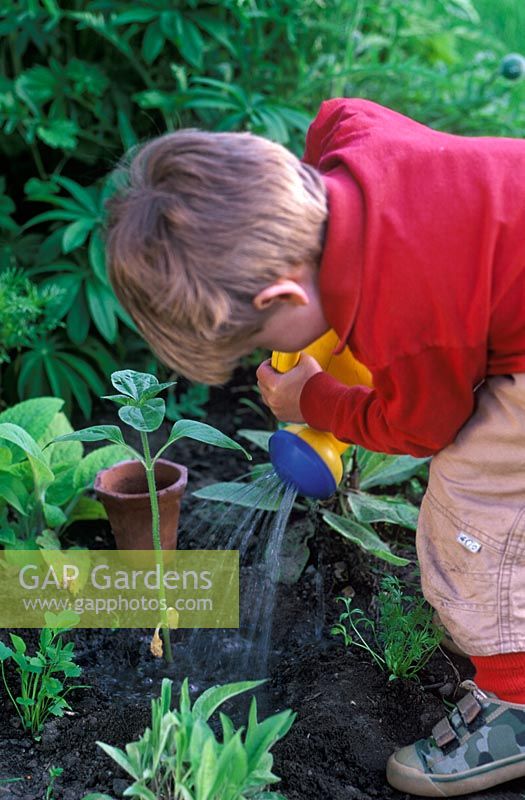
x=443 y=733
x=469 y=708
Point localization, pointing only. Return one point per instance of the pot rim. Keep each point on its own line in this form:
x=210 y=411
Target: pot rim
x=178 y=485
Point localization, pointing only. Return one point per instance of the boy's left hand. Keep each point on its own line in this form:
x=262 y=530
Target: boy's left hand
x=282 y=391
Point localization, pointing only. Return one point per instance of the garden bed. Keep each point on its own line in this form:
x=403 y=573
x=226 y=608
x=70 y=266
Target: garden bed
x=350 y=717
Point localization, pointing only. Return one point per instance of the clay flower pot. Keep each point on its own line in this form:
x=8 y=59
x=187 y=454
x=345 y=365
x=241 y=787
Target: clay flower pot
x=123 y=491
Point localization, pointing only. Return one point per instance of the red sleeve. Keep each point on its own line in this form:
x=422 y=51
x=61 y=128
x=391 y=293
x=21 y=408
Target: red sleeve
x=417 y=405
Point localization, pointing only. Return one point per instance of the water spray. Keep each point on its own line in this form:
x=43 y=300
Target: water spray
x=308 y=459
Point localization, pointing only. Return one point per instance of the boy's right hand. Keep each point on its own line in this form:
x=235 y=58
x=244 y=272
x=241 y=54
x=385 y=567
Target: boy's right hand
x=281 y=392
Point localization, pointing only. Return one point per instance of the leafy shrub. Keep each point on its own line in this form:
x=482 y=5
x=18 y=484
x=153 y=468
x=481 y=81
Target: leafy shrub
x=43 y=489
x=404 y=637
x=27 y=312
x=41 y=693
x=180 y=756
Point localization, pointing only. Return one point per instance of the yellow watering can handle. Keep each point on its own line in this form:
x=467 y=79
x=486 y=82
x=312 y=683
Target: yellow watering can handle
x=282 y=362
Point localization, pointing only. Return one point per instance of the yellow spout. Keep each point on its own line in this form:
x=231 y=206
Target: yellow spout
x=346 y=369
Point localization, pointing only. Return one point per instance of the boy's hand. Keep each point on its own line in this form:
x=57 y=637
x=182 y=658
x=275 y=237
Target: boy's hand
x=282 y=391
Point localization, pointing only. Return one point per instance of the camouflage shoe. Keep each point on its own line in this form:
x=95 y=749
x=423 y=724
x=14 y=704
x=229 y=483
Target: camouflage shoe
x=481 y=744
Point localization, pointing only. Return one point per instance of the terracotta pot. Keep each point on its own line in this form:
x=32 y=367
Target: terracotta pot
x=123 y=491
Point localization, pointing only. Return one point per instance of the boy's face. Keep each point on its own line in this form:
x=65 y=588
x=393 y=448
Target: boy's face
x=297 y=318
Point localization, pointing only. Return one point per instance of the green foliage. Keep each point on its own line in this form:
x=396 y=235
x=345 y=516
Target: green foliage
x=404 y=637
x=54 y=773
x=41 y=693
x=189 y=404
x=43 y=485
x=83 y=276
x=180 y=756
x=142 y=409
x=359 y=509
x=27 y=312
x=84 y=84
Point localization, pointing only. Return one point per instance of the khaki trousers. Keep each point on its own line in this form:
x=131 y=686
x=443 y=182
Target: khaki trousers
x=471 y=531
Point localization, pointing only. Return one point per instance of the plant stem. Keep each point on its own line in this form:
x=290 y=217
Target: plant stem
x=155 y=531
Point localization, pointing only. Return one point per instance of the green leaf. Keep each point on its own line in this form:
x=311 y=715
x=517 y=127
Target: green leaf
x=259 y=438
x=37 y=84
x=153 y=42
x=8 y=539
x=83 y=196
x=97 y=796
x=5 y=652
x=96 y=433
x=203 y=433
x=26 y=702
x=34 y=415
x=377 y=508
x=87 y=509
x=86 y=471
x=210 y=700
x=190 y=42
x=101 y=302
x=232 y=766
x=60 y=455
x=18 y=436
x=206 y=772
x=248 y=495
x=127 y=134
x=97 y=257
x=18 y=643
x=62 y=490
x=13 y=491
x=120 y=757
x=63 y=621
x=138 y=14
x=77 y=323
x=59 y=133
x=133 y=384
x=146 y=417
x=48 y=540
x=364 y=536
x=54 y=516
x=378 y=469
x=76 y=234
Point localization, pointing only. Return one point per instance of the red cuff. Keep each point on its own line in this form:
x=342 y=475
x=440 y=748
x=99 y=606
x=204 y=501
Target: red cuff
x=321 y=398
x=502 y=674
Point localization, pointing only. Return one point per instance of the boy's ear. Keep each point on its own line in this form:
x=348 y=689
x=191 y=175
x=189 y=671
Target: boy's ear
x=283 y=289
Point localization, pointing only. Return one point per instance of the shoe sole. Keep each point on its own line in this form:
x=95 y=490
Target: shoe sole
x=407 y=779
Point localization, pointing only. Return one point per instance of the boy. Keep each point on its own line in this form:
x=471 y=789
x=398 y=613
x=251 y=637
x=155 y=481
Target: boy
x=410 y=244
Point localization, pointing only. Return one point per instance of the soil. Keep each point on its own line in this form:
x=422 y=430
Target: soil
x=349 y=716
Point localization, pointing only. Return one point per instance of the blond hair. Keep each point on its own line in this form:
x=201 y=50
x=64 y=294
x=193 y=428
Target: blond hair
x=201 y=223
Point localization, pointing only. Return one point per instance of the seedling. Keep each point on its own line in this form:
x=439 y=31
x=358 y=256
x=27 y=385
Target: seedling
x=404 y=638
x=142 y=409
x=180 y=756
x=54 y=773
x=42 y=693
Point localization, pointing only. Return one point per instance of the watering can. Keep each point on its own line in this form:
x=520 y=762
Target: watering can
x=309 y=459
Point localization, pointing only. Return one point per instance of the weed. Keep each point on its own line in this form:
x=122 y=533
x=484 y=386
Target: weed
x=54 y=773
x=404 y=637
x=42 y=693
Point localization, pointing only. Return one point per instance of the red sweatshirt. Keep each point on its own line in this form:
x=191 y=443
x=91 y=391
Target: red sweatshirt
x=422 y=273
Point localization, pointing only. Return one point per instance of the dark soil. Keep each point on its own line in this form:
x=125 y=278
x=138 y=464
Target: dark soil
x=349 y=716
